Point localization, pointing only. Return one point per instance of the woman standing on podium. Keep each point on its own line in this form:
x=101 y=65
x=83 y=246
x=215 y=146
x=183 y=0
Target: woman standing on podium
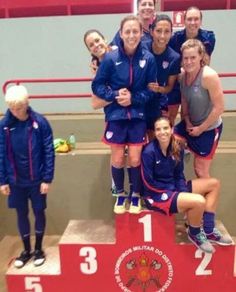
x=146 y=12
x=98 y=47
x=166 y=190
x=26 y=168
x=168 y=68
x=202 y=102
x=122 y=79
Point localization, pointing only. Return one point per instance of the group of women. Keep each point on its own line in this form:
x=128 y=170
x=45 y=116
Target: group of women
x=134 y=82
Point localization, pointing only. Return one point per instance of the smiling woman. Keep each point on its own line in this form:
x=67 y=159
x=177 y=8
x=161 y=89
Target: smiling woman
x=146 y=13
x=202 y=106
x=193 y=30
x=97 y=46
x=130 y=33
x=145 y=10
x=166 y=190
x=168 y=68
x=122 y=79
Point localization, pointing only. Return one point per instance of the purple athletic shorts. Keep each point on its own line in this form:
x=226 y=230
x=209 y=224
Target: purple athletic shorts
x=125 y=132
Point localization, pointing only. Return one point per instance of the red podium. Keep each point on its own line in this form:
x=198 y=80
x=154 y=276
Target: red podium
x=140 y=253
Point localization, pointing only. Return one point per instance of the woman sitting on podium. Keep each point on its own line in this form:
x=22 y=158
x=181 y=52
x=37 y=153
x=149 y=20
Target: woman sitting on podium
x=167 y=191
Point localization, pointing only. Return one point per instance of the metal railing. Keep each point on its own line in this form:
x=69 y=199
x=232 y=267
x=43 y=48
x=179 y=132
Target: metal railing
x=78 y=80
x=50 y=80
x=228 y=75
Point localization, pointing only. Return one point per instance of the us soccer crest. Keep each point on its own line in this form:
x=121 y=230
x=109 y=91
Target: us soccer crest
x=165 y=64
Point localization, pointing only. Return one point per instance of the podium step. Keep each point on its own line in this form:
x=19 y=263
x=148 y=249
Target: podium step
x=50 y=267
x=10 y=247
x=138 y=253
x=148 y=242
x=31 y=278
x=81 y=233
x=88 y=231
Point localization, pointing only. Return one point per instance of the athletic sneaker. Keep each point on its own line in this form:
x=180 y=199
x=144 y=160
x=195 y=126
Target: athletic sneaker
x=120 y=205
x=219 y=238
x=200 y=241
x=114 y=191
x=22 y=259
x=135 y=205
x=39 y=257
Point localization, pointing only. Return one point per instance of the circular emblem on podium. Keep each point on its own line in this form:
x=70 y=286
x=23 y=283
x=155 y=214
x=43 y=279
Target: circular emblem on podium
x=143 y=268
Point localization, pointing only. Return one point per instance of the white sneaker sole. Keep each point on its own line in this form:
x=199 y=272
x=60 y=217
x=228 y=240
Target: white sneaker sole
x=39 y=262
x=221 y=243
x=135 y=209
x=118 y=211
x=18 y=264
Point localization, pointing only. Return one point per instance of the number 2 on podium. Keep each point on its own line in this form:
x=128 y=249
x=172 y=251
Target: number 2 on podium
x=206 y=258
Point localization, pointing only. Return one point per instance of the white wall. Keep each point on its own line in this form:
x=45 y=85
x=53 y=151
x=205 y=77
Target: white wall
x=52 y=47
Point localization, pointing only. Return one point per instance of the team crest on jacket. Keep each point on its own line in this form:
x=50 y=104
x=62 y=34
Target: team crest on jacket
x=165 y=64
x=142 y=63
x=109 y=134
x=35 y=125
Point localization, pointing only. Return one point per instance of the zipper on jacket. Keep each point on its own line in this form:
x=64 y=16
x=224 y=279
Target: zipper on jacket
x=9 y=150
x=30 y=153
x=130 y=82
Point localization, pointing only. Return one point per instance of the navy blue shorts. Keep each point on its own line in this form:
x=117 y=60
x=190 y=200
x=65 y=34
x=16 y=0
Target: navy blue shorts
x=125 y=132
x=204 y=145
x=19 y=198
x=166 y=202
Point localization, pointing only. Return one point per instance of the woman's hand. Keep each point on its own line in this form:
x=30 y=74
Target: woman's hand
x=44 y=188
x=5 y=190
x=194 y=131
x=124 y=97
x=154 y=86
x=94 y=67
